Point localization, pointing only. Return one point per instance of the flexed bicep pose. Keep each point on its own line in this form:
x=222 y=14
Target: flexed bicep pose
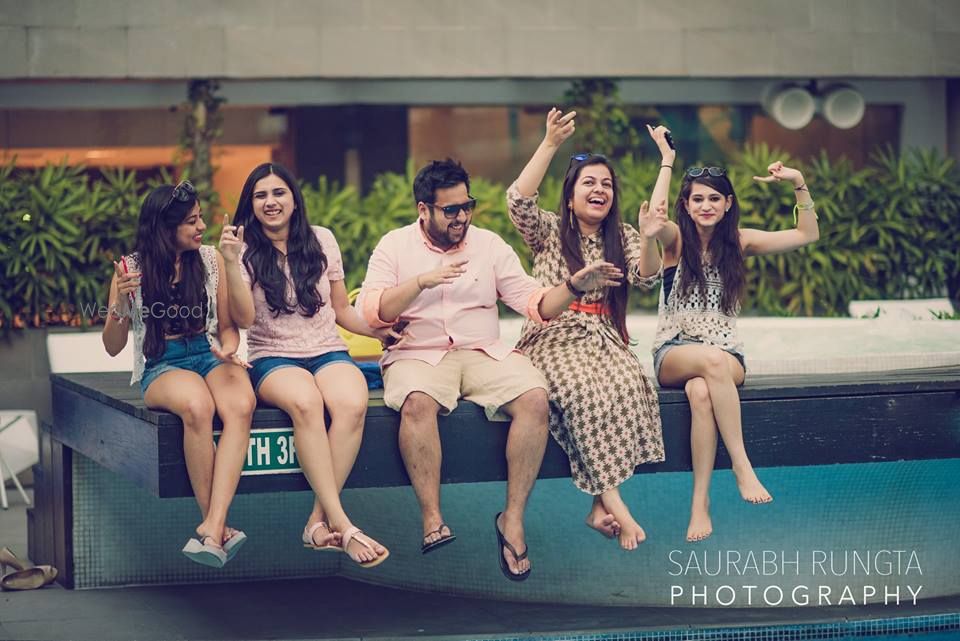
x=604 y=410
x=286 y=286
x=696 y=345
x=173 y=293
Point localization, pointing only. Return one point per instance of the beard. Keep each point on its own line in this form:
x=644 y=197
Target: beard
x=445 y=238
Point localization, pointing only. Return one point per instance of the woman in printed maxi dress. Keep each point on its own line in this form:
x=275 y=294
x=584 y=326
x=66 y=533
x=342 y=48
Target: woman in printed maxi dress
x=603 y=409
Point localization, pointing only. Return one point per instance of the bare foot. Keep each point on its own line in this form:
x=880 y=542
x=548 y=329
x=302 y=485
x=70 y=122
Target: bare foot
x=631 y=535
x=602 y=522
x=751 y=489
x=700 y=524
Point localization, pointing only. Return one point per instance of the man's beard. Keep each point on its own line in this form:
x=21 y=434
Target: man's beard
x=441 y=237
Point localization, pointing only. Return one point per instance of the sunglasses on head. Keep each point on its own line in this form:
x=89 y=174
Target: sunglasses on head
x=696 y=172
x=184 y=192
x=452 y=211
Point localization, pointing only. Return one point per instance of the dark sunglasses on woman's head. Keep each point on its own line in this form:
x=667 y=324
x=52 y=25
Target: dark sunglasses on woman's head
x=452 y=211
x=696 y=172
x=184 y=192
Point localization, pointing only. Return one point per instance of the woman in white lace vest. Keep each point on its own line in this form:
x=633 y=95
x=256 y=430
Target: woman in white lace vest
x=696 y=345
x=170 y=291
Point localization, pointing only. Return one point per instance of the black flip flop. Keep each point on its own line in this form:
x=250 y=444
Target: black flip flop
x=504 y=543
x=439 y=543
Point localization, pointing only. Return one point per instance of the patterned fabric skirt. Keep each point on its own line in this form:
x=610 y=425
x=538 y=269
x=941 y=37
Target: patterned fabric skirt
x=604 y=411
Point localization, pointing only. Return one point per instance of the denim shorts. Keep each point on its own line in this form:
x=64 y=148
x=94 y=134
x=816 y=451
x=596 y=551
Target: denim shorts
x=673 y=342
x=261 y=367
x=191 y=353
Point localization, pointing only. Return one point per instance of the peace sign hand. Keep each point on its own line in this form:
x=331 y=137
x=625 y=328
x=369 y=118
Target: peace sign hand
x=231 y=240
x=560 y=126
x=651 y=223
x=778 y=171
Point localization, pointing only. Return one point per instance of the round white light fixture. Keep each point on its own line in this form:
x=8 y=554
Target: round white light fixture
x=791 y=106
x=843 y=107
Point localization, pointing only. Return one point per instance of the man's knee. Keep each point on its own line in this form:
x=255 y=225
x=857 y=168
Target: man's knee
x=419 y=409
x=531 y=406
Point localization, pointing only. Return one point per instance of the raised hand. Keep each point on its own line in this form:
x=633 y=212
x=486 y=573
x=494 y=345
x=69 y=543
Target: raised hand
x=231 y=240
x=229 y=356
x=560 y=126
x=651 y=223
x=127 y=284
x=659 y=135
x=598 y=274
x=443 y=275
x=778 y=171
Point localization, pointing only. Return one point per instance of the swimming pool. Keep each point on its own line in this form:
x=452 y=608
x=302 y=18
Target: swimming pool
x=816 y=345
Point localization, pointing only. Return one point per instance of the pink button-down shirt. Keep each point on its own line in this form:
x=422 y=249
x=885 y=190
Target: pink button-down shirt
x=461 y=315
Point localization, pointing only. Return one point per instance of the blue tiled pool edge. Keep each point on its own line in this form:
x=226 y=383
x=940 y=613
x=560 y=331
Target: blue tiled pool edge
x=938 y=627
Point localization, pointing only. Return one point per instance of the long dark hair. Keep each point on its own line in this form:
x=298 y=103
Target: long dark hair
x=611 y=230
x=156 y=249
x=262 y=260
x=725 y=251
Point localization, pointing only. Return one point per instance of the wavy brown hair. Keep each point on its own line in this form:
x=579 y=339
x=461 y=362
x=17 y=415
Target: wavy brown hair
x=725 y=251
x=611 y=230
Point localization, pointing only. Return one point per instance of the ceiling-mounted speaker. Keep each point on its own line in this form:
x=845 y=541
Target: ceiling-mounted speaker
x=843 y=106
x=792 y=106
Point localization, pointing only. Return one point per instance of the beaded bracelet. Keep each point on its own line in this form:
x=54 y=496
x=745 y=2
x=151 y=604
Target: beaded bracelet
x=573 y=290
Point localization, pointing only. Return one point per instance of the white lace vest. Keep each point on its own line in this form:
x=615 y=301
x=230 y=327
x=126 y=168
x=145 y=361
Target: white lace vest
x=211 y=279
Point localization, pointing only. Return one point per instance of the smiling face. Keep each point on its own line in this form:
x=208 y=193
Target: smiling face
x=446 y=232
x=189 y=234
x=707 y=206
x=273 y=203
x=592 y=196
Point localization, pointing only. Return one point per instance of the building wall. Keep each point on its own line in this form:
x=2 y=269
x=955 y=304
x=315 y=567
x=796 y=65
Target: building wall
x=148 y=39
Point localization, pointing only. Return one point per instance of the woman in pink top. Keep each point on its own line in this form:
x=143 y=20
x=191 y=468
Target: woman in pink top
x=286 y=286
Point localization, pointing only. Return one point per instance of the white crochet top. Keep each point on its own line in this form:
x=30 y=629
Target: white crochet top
x=698 y=316
x=211 y=279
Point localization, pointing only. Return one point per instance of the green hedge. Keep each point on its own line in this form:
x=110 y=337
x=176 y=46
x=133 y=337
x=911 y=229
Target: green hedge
x=889 y=230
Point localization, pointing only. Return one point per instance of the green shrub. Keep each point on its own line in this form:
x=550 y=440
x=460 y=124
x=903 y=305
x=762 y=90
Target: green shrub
x=888 y=230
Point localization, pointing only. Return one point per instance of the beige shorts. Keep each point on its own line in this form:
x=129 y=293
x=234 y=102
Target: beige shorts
x=464 y=373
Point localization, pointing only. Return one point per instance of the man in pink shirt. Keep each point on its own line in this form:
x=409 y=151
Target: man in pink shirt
x=442 y=279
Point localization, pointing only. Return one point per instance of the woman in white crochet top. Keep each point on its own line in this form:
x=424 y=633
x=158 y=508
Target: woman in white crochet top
x=696 y=346
x=169 y=291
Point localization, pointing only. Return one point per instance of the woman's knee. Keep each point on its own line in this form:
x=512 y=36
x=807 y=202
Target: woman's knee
x=305 y=407
x=698 y=393
x=197 y=413
x=715 y=364
x=349 y=411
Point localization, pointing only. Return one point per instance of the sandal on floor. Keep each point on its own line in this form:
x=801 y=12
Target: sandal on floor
x=351 y=534
x=439 y=543
x=504 y=543
x=28 y=579
x=308 y=538
x=232 y=545
x=7 y=557
x=199 y=551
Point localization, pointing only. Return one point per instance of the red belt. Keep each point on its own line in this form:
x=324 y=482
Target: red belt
x=589 y=308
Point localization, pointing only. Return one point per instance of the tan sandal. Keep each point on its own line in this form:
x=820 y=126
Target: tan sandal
x=308 y=538
x=351 y=534
x=8 y=558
